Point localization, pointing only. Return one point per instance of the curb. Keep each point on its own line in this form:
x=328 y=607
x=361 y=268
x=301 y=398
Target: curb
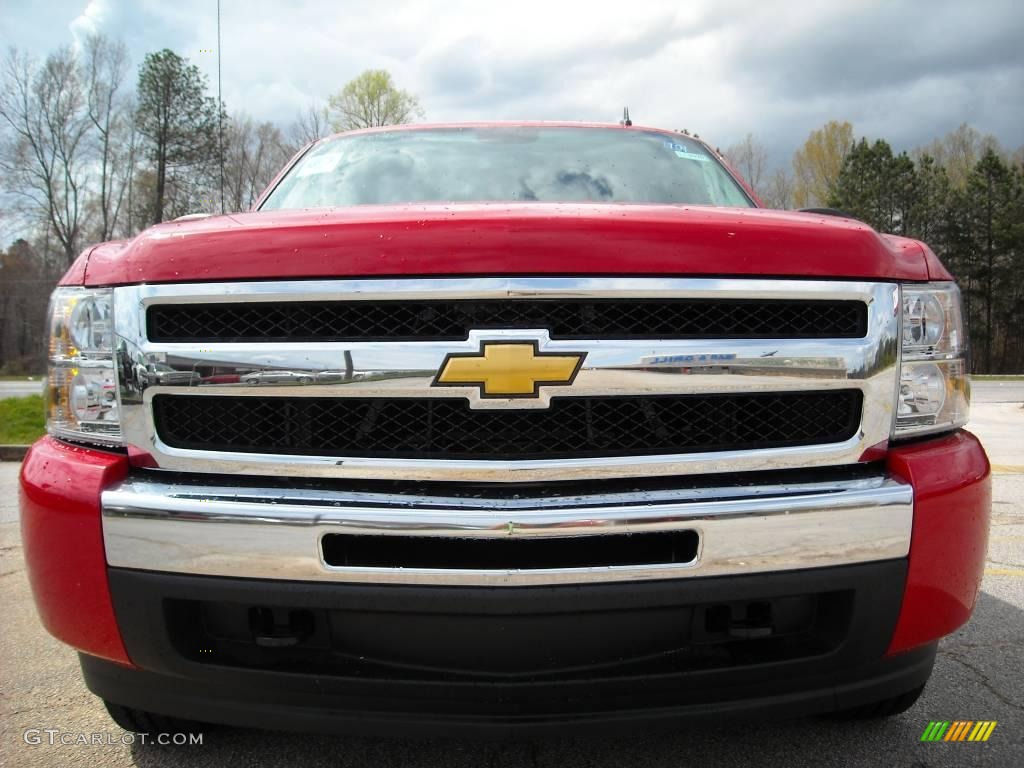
x=13 y=452
x=1007 y=469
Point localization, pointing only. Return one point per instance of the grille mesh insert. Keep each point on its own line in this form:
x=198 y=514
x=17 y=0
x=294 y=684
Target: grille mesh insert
x=452 y=320
x=443 y=428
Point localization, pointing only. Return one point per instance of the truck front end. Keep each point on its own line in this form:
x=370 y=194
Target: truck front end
x=491 y=466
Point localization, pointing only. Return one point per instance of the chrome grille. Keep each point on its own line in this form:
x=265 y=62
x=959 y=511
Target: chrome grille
x=684 y=401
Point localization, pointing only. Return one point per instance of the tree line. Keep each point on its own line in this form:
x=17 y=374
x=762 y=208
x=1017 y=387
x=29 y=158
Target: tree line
x=963 y=194
x=91 y=150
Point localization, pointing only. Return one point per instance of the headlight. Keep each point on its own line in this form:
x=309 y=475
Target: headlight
x=934 y=393
x=81 y=397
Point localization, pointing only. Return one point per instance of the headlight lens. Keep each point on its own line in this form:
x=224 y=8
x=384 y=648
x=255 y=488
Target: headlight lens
x=934 y=392
x=81 y=398
x=924 y=320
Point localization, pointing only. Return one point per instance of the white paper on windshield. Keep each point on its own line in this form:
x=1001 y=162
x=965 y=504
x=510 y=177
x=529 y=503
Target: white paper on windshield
x=320 y=164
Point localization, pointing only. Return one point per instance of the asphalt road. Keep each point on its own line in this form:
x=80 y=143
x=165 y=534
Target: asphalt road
x=978 y=676
x=987 y=391
x=21 y=388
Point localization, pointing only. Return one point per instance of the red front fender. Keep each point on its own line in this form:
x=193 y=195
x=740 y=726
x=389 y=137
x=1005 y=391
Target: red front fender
x=952 y=505
x=62 y=533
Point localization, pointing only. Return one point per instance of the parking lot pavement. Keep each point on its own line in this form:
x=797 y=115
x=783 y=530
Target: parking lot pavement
x=978 y=676
x=1001 y=428
x=991 y=391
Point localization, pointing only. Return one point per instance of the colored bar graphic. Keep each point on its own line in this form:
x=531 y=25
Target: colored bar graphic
x=958 y=730
x=935 y=730
x=985 y=731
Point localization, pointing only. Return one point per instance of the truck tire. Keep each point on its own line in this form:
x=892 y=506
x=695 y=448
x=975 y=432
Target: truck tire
x=873 y=710
x=140 y=721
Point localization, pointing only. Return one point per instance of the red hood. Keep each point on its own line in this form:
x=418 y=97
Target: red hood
x=503 y=239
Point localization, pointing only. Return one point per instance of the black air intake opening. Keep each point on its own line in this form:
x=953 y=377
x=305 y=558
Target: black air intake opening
x=442 y=552
x=447 y=428
x=452 y=320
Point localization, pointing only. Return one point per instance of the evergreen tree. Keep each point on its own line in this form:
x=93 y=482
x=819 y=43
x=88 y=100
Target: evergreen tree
x=927 y=215
x=877 y=187
x=178 y=119
x=993 y=205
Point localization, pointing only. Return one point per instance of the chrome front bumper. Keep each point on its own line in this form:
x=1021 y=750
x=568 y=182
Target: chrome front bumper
x=256 y=532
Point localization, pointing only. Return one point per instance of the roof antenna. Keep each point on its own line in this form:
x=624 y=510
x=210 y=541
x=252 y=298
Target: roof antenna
x=625 y=117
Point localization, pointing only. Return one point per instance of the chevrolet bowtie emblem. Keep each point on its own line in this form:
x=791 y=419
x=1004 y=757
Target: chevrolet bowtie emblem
x=509 y=369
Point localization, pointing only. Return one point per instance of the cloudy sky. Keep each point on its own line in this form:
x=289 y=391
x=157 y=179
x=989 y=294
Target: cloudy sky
x=905 y=71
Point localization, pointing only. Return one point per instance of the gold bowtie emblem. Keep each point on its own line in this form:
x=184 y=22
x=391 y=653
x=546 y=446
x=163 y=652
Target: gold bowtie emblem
x=509 y=369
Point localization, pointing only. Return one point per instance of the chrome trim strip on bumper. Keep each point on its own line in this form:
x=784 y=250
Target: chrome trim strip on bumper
x=406 y=368
x=274 y=533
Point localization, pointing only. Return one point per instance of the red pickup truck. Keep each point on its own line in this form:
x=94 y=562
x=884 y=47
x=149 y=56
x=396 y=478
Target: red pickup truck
x=505 y=428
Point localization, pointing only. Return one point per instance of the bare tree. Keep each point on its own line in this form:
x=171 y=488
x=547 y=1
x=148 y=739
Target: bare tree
x=959 y=151
x=254 y=152
x=818 y=162
x=238 y=134
x=272 y=158
x=104 y=68
x=126 y=168
x=43 y=158
x=310 y=124
x=778 y=190
x=749 y=157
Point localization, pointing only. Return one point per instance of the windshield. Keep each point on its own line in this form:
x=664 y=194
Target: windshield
x=507 y=164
